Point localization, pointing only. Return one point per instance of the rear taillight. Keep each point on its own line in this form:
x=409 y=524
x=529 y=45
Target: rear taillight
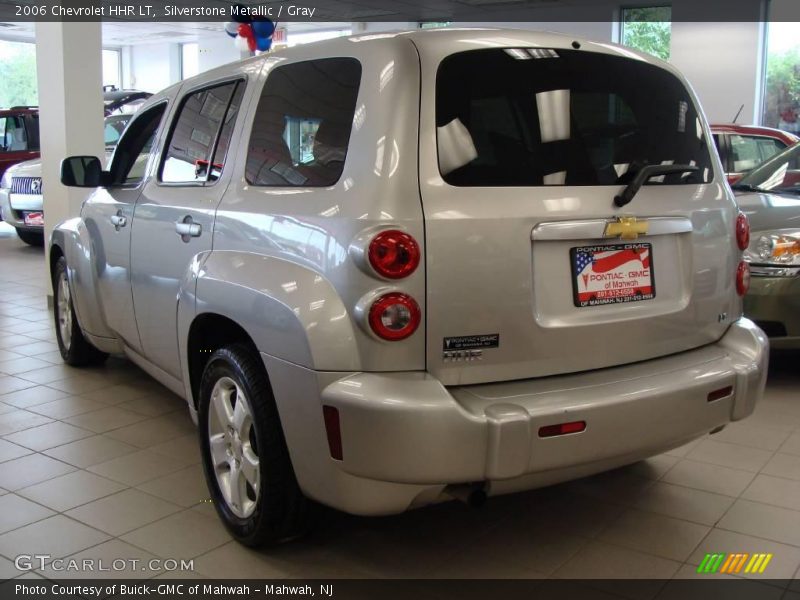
x=394 y=316
x=742 y=278
x=742 y=231
x=393 y=254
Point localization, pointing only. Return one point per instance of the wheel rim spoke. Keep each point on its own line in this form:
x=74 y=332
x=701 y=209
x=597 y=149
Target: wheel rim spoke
x=250 y=469
x=241 y=416
x=219 y=451
x=221 y=399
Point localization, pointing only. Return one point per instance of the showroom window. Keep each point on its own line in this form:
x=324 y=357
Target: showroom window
x=111 y=68
x=647 y=29
x=595 y=119
x=190 y=57
x=18 y=74
x=782 y=81
x=302 y=125
x=196 y=134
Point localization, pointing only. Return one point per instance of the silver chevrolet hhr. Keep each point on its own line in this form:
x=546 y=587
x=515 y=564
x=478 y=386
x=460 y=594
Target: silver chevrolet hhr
x=388 y=270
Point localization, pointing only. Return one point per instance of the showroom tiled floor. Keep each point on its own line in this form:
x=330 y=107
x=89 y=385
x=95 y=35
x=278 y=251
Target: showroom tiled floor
x=103 y=463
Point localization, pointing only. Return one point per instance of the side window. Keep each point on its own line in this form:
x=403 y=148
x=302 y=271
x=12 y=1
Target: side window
x=14 y=137
x=744 y=153
x=301 y=129
x=196 y=132
x=133 y=149
x=769 y=147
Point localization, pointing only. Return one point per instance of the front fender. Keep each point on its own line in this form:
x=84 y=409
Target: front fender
x=290 y=311
x=72 y=238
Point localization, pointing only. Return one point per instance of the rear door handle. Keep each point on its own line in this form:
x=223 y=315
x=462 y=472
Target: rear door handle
x=188 y=229
x=119 y=220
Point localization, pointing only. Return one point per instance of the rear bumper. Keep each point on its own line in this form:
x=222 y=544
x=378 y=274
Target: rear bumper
x=774 y=303
x=406 y=437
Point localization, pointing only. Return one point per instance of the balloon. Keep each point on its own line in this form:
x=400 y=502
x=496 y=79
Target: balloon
x=263 y=43
x=263 y=29
x=245 y=30
x=241 y=44
x=251 y=43
x=231 y=28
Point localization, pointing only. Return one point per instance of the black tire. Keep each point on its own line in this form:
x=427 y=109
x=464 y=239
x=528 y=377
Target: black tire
x=280 y=510
x=32 y=238
x=75 y=350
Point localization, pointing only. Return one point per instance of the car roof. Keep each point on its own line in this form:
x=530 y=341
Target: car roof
x=19 y=110
x=784 y=136
x=429 y=42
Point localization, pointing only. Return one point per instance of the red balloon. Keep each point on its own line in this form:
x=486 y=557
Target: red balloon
x=245 y=30
x=251 y=42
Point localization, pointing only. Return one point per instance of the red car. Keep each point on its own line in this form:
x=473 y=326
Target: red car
x=19 y=135
x=743 y=147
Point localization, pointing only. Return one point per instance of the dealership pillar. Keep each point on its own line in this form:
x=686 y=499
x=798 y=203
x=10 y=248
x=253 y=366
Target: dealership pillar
x=69 y=70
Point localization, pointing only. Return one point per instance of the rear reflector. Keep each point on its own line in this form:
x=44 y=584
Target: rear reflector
x=720 y=393
x=562 y=429
x=333 y=431
x=742 y=278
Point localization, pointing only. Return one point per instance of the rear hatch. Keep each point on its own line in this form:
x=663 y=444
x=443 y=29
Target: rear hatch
x=532 y=269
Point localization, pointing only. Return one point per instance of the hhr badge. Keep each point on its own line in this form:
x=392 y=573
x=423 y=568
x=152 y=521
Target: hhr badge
x=625 y=228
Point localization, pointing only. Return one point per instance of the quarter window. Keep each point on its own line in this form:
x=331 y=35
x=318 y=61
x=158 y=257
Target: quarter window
x=205 y=120
x=301 y=129
x=13 y=137
x=133 y=150
x=747 y=152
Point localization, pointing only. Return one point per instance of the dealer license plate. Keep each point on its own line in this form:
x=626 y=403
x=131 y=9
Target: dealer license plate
x=612 y=274
x=34 y=218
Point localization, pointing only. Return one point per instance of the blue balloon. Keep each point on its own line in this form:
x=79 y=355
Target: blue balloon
x=263 y=44
x=263 y=29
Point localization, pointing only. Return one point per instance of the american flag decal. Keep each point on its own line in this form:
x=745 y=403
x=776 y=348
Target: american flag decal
x=612 y=274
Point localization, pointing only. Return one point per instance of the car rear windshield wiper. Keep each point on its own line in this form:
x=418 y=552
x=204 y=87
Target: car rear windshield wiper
x=746 y=187
x=646 y=173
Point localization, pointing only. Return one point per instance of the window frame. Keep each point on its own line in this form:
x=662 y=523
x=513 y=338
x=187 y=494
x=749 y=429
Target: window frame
x=236 y=79
x=254 y=112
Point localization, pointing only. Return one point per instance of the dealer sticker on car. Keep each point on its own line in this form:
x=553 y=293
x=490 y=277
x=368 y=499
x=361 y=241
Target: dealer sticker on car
x=611 y=274
x=34 y=219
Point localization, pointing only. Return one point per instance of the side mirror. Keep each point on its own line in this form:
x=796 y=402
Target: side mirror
x=83 y=172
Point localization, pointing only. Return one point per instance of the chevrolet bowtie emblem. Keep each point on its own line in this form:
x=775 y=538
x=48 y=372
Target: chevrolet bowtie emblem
x=626 y=228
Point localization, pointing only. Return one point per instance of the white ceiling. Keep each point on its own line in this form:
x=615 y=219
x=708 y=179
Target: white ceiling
x=131 y=34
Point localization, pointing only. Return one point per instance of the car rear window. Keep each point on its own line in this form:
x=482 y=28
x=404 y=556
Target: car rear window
x=534 y=117
x=301 y=128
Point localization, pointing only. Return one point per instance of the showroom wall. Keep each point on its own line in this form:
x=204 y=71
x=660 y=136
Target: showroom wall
x=151 y=67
